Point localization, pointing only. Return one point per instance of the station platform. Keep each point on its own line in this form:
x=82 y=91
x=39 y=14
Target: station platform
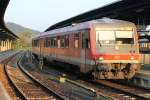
x=3 y=92
x=6 y=54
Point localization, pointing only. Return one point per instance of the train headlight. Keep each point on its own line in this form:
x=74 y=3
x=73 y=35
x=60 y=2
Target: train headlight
x=132 y=58
x=117 y=47
x=101 y=58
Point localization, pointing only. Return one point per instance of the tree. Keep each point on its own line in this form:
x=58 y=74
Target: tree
x=24 y=41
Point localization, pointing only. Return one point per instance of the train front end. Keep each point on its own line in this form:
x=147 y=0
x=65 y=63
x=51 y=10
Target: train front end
x=115 y=51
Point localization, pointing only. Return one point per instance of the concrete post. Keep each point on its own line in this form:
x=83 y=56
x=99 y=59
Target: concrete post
x=5 y=45
x=11 y=44
x=8 y=43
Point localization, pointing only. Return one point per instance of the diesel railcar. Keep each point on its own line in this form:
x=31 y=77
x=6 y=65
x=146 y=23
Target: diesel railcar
x=103 y=48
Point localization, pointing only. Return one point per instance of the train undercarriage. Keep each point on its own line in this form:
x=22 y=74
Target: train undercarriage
x=114 y=70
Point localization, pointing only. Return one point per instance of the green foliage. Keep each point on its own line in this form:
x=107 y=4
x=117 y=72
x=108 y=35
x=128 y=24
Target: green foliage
x=24 y=41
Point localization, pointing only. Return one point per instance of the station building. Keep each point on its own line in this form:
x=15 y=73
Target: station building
x=6 y=36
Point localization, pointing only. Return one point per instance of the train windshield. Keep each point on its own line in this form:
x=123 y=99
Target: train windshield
x=114 y=37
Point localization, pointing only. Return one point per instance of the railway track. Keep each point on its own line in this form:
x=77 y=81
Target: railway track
x=135 y=91
x=111 y=90
x=27 y=87
x=47 y=84
x=67 y=88
x=9 y=88
x=114 y=90
x=98 y=90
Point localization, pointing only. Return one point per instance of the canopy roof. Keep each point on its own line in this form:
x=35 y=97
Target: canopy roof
x=136 y=11
x=4 y=31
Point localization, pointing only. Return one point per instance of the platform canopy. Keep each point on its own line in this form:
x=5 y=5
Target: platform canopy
x=4 y=31
x=137 y=11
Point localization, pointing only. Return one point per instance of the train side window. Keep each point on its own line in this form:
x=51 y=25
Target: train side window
x=46 y=42
x=85 y=40
x=52 y=42
x=35 y=43
x=76 y=40
x=55 y=42
x=67 y=41
x=49 y=42
x=62 y=42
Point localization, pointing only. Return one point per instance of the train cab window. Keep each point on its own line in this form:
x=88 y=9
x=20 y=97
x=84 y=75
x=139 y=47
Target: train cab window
x=76 y=40
x=67 y=41
x=62 y=42
x=105 y=37
x=124 y=37
x=85 y=41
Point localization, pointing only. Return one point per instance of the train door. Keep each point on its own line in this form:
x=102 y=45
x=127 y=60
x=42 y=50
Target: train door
x=84 y=51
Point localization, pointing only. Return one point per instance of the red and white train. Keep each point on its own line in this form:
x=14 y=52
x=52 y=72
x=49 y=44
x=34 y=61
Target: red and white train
x=105 y=48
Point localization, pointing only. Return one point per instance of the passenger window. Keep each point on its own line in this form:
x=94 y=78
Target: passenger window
x=62 y=42
x=46 y=42
x=52 y=42
x=49 y=42
x=85 y=40
x=67 y=41
x=36 y=43
x=55 y=42
x=76 y=40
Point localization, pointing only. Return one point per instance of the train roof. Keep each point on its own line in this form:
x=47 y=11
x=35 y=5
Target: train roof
x=86 y=25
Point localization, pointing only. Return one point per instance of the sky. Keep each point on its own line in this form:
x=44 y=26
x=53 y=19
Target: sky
x=40 y=14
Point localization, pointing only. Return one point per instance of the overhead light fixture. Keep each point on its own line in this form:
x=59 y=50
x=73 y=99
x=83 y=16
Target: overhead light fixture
x=73 y=24
x=140 y=10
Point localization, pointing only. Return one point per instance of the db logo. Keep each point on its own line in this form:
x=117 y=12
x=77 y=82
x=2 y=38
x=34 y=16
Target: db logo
x=117 y=57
